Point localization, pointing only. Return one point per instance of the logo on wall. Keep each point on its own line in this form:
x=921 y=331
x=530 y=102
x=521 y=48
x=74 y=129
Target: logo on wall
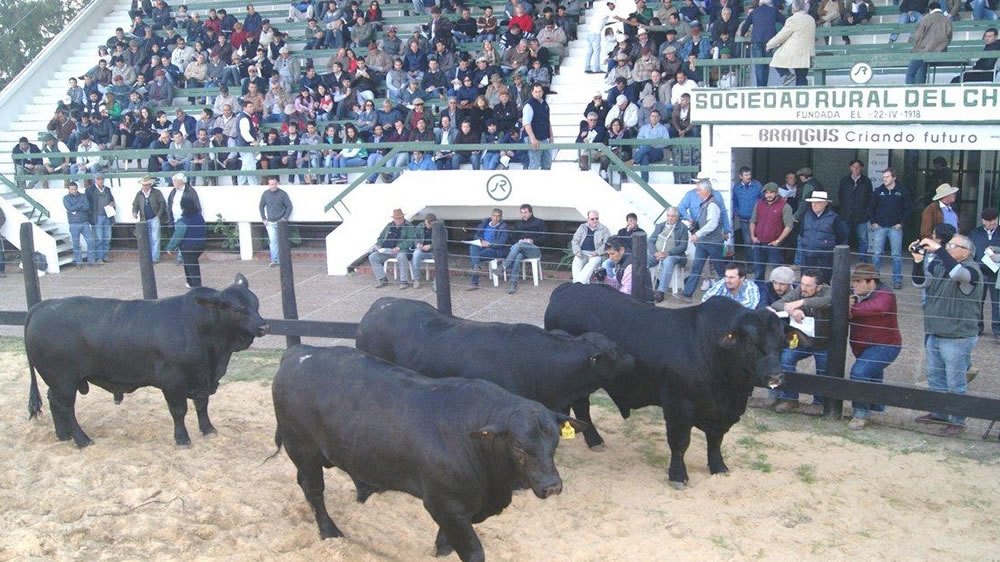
x=861 y=73
x=498 y=187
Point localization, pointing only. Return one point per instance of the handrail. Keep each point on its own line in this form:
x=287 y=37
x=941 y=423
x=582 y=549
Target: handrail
x=35 y=205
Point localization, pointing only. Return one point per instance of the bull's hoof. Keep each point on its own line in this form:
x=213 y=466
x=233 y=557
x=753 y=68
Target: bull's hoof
x=678 y=485
x=442 y=550
x=118 y=398
x=331 y=532
x=210 y=430
x=599 y=448
x=724 y=470
x=185 y=442
x=85 y=442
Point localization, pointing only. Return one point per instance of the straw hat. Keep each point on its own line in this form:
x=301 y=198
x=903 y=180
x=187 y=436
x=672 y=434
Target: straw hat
x=818 y=197
x=943 y=191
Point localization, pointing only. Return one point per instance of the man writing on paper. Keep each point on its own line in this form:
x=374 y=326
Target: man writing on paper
x=808 y=309
x=490 y=243
x=395 y=241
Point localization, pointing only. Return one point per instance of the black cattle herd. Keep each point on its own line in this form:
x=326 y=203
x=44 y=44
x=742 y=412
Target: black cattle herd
x=477 y=408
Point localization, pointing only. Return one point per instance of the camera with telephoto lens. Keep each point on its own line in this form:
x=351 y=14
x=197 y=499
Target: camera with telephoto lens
x=694 y=227
x=916 y=248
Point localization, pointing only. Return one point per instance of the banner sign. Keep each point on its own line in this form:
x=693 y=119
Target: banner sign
x=973 y=103
x=923 y=137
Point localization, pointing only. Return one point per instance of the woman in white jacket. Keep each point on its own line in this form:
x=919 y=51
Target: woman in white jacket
x=795 y=45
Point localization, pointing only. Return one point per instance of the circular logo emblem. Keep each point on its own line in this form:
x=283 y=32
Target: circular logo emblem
x=498 y=187
x=861 y=73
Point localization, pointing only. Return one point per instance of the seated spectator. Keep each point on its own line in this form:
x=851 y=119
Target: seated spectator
x=52 y=163
x=528 y=235
x=621 y=274
x=667 y=248
x=32 y=166
x=506 y=113
x=420 y=160
x=599 y=106
x=486 y=25
x=300 y=11
x=625 y=235
x=588 y=247
x=422 y=248
x=680 y=118
x=647 y=154
x=87 y=164
x=492 y=135
x=734 y=285
x=781 y=280
x=465 y=29
x=516 y=59
x=982 y=71
x=554 y=39
x=489 y=243
x=624 y=110
x=810 y=299
x=696 y=44
x=681 y=85
x=395 y=241
x=591 y=132
x=466 y=136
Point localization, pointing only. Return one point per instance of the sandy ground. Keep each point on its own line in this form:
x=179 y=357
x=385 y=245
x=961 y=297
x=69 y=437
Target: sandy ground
x=800 y=488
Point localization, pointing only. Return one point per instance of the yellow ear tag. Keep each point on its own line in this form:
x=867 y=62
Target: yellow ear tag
x=794 y=342
x=567 y=431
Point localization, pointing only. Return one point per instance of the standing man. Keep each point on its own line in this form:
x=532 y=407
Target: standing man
x=939 y=210
x=746 y=193
x=178 y=193
x=188 y=240
x=889 y=208
x=734 y=285
x=149 y=205
x=874 y=334
x=770 y=223
x=588 y=247
x=595 y=29
x=855 y=195
x=246 y=135
x=762 y=23
x=535 y=118
x=984 y=237
x=951 y=316
x=933 y=35
x=707 y=237
x=667 y=248
x=78 y=216
x=528 y=233
x=490 y=242
x=274 y=206
x=101 y=198
x=395 y=241
x=822 y=229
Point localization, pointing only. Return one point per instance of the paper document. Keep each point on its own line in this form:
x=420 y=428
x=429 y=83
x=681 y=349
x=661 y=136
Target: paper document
x=779 y=313
x=110 y=212
x=988 y=260
x=476 y=242
x=807 y=326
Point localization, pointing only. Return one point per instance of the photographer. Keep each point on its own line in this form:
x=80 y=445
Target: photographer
x=952 y=282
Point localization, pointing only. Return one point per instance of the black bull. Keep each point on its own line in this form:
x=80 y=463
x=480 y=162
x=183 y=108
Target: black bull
x=699 y=363
x=181 y=345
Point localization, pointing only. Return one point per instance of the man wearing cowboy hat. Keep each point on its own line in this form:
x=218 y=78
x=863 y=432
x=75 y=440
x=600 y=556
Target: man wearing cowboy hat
x=150 y=206
x=395 y=241
x=940 y=210
x=874 y=334
x=822 y=229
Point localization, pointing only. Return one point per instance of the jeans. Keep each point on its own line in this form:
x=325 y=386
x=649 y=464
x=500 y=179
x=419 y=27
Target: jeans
x=519 y=252
x=192 y=271
x=348 y=163
x=906 y=17
x=818 y=259
x=592 y=61
x=916 y=72
x=178 y=166
x=373 y=159
x=154 y=238
x=478 y=254
x=789 y=359
x=948 y=359
x=989 y=288
x=763 y=256
x=102 y=237
x=272 y=240
x=540 y=159
x=583 y=268
x=645 y=156
x=981 y=12
x=76 y=229
x=861 y=231
x=666 y=270
x=702 y=253
x=761 y=72
x=870 y=366
x=490 y=160
x=401 y=161
x=377 y=260
x=419 y=255
x=800 y=75
x=458 y=159
x=896 y=247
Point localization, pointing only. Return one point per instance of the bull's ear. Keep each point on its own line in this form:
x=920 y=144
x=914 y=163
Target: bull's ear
x=487 y=432
x=210 y=301
x=576 y=424
x=241 y=280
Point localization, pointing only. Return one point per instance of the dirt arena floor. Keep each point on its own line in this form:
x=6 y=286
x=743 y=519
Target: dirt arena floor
x=800 y=488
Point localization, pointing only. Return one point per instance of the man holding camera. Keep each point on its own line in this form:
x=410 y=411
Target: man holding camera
x=953 y=285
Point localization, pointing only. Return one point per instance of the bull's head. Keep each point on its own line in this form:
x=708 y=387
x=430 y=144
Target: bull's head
x=529 y=439
x=607 y=358
x=239 y=309
x=759 y=337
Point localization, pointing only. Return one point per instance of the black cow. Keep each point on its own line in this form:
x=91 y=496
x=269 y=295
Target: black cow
x=699 y=363
x=460 y=445
x=555 y=369
x=180 y=345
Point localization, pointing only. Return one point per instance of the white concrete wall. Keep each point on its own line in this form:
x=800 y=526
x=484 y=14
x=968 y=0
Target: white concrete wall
x=11 y=230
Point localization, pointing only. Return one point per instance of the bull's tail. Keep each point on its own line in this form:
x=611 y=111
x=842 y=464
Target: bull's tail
x=34 y=398
x=277 y=443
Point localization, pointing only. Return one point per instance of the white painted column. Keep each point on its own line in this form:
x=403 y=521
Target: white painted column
x=246 y=241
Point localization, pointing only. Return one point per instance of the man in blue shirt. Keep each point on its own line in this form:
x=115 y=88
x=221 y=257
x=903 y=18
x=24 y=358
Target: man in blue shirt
x=647 y=154
x=689 y=207
x=762 y=23
x=746 y=192
x=734 y=285
x=490 y=243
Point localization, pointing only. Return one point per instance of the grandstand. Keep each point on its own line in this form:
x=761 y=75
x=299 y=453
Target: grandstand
x=27 y=105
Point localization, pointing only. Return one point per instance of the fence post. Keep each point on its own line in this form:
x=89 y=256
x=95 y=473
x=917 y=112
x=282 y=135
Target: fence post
x=442 y=279
x=289 y=307
x=640 y=271
x=839 y=307
x=32 y=290
x=146 y=270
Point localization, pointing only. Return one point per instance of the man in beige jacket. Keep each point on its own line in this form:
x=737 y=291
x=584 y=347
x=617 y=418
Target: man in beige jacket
x=795 y=45
x=932 y=36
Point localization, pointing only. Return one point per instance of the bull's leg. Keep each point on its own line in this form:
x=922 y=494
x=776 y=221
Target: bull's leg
x=678 y=438
x=201 y=408
x=441 y=545
x=364 y=490
x=310 y=478
x=63 y=405
x=458 y=532
x=581 y=411
x=177 y=403
x=119 y=396
x=715 y=463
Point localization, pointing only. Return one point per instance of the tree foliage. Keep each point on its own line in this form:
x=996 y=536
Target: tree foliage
x=26 y=26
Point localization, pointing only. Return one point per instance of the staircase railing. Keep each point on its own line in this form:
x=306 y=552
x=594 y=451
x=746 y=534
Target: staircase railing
x=36 y=207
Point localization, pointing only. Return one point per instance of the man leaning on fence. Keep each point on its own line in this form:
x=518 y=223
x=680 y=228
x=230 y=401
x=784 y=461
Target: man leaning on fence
x=953 y=284
x=275 y=206
x=394 y=242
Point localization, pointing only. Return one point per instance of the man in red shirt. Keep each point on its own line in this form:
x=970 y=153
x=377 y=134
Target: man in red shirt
x=522 y=20
x=874 y=335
